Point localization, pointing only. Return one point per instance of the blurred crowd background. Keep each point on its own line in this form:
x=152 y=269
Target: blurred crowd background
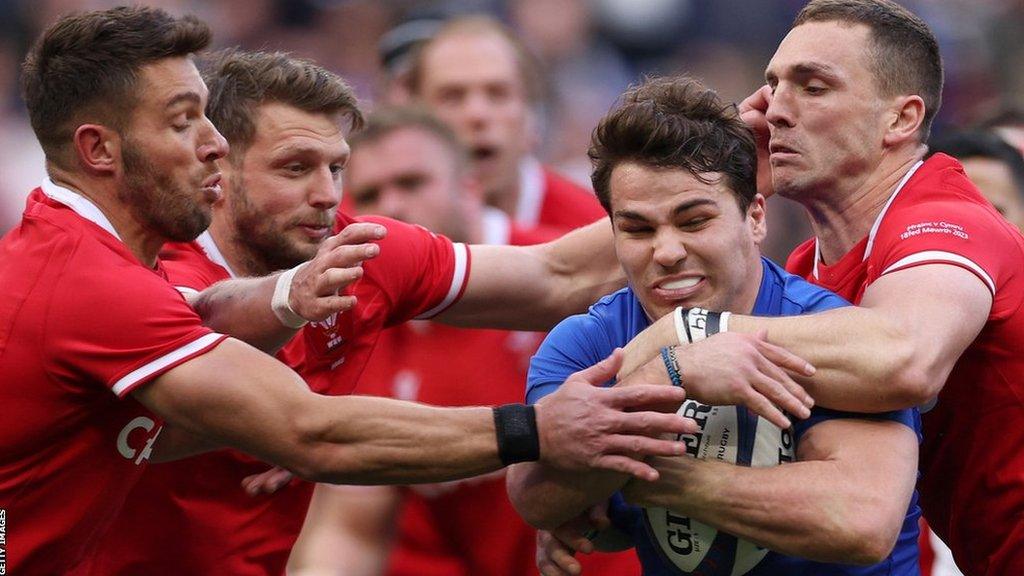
x=590 y=51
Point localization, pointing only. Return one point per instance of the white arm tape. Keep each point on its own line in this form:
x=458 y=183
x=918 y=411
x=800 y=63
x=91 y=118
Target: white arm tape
x=693 y=326
x=279 y=303
x=677 y=316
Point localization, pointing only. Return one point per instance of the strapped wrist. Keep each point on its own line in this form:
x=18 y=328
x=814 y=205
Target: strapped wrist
x=515 y=426
x=279 y=303
x=696 y=324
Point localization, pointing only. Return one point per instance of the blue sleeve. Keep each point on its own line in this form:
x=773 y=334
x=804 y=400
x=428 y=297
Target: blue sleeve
x=910 y=417
x=577 y=342
x=802 y=297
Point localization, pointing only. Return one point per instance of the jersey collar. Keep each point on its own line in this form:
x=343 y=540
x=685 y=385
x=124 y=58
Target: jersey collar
x=80 y=204
x=531 y=192
x=206 y=242
x=878 y=219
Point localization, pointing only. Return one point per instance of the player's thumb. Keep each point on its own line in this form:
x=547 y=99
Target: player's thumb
x=604 y=370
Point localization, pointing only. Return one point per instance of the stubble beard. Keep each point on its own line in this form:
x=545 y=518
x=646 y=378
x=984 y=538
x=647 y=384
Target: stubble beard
x=158 y=202
x=265 y=246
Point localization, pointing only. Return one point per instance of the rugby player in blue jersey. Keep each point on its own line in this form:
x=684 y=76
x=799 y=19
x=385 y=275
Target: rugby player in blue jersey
x=676 y=169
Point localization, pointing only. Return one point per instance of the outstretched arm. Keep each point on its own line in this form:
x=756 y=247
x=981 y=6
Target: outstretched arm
x=534 y=287
x=893 y=351
x=235 y=396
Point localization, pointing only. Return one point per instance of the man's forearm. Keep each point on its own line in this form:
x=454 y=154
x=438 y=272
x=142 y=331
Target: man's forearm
x=535 y=287
x=547 y=498
x=859 y=355
x=242 y=309
x=895 y=350
x=364 y=440
x=845 y=503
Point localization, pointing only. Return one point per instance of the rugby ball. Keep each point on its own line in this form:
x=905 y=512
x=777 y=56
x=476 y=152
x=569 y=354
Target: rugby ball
x=728 y=434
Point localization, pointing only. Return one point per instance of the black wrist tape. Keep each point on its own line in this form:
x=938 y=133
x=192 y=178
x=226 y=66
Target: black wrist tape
x=516 y=428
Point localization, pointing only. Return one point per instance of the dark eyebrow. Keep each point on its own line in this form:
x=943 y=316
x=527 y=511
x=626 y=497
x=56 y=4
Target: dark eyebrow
x=689 y=205
x=693 y=204
x=184 y=97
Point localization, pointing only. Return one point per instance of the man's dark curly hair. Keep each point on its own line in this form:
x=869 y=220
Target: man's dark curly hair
x=675 y=123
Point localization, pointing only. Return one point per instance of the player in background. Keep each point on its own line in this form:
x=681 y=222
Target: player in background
x=105 y=364
x=288 y=120
x=992 y=164
x=676 y=171
x=408 y=165
x=477 y=76
x=933 y=267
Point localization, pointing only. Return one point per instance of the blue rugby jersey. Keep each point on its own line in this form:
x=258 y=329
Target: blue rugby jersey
x=583 y=340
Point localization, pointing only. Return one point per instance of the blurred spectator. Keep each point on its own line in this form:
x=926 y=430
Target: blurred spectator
x=995 y=167
x=483 y=82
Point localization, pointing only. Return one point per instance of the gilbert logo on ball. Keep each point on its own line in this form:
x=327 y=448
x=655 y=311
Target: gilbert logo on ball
x=728 y=434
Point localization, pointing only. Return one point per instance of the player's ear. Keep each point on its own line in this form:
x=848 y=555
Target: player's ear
x=905 y=119
x=757 y=219
x=98 y=148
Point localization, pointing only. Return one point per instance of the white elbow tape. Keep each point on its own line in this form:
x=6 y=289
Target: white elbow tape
x=696 y=324
x=279 y=303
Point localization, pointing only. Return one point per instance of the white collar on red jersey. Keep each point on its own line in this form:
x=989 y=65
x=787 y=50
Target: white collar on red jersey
x=80 y=204
x=531 y=192
x=497 y=227
x=206 y=242
x=878 y=219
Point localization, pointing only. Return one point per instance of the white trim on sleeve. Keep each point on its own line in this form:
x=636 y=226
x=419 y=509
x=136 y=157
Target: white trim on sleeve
x=143 y=372
x=186 y=291
x=941 y=256
x=461 y=253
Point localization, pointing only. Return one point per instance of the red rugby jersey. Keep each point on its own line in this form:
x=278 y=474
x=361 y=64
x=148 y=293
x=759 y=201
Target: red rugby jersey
x=972 y=464
x=82 y=324
x=550 y=202
x=468 y=526
x=192 y=516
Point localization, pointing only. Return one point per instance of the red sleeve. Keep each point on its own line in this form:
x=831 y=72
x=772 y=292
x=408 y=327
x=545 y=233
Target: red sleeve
x=187 y=266
x=120 y=325
x=422 y=273
x=954 y=230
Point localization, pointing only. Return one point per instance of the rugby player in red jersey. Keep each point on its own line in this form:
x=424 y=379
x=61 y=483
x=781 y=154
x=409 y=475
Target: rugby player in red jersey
x=408 y=165
x=479 y=78
x=936 y=271
x=106 y=366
